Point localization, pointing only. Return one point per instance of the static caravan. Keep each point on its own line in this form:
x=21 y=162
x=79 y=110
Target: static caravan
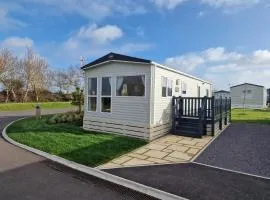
x=222 y=94
x=133 y=96
x=248 y=95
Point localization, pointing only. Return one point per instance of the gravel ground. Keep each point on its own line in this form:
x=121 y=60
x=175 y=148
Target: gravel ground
x=198 y=182
x=241 y=147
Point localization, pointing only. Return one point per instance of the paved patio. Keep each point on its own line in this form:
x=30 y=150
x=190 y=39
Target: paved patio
x=166 y=150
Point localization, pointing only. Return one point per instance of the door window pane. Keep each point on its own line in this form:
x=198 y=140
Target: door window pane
x=130 y=86
x=106 y=104
x=106 y=86
x=92 y=103
x=92 y=86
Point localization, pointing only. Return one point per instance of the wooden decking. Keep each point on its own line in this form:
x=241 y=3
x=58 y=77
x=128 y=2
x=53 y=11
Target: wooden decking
x=196 y=117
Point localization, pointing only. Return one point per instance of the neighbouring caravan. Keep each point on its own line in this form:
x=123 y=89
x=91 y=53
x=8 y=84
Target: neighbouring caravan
x=248 y=95
x=222 y=94
x=133 y=96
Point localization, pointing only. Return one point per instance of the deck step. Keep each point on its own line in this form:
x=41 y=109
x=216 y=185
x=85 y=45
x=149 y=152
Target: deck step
x=195 y=134
x=187 y=127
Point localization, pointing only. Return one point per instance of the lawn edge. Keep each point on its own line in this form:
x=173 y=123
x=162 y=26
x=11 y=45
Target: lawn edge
x=150 y=191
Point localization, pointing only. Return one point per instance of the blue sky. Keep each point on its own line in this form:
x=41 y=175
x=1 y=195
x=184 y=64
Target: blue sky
x=224 y=41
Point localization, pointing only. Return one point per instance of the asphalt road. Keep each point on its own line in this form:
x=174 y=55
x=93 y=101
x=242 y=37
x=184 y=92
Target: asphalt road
x=24 y=175
x=241 y=147
x=197 y=182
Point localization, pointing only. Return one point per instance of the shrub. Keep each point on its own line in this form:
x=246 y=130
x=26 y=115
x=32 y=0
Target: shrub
x=70 y=117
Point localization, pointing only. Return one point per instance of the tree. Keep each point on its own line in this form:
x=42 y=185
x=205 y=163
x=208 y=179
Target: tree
x=60 y=79
x=9 y=73
x=35 y=71
x=78 y=99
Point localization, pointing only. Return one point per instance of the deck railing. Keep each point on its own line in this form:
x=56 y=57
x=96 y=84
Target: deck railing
x=208 y=110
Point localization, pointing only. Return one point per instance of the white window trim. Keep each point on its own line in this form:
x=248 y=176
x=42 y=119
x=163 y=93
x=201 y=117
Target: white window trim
x=91 y=111
x=100 y=109
x=145 y=83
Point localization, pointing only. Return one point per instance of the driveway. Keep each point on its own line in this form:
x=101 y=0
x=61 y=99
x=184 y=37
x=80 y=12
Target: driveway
x=197 y=182
x=24 y=175
x=241 y=147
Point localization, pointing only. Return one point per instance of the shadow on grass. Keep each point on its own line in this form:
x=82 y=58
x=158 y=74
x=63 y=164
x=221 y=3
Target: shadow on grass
x=100 y=153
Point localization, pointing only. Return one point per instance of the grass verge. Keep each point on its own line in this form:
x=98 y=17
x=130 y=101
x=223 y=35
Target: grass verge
x=70 y=141
x=31 y=106
x=251 y=116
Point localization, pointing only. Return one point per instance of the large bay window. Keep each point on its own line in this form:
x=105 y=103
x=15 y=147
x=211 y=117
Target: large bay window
x=130 y=85
x=106 y=94
x=92 y=94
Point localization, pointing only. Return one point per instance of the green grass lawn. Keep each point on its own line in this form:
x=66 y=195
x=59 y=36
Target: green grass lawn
x=71 y=141
x=30 y=106
x=251 y=116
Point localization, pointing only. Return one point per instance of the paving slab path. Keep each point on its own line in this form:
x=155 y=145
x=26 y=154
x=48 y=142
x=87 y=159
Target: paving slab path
x=241 y=147
x=24 y=175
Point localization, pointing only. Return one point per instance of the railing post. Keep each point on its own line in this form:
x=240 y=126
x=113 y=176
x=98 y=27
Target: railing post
x=180 y=107
x=213 y=115
x=220 y=114
x=173 y=113
x=226 y=111
x=200 y=111
x=230 y=107
x=204 y=114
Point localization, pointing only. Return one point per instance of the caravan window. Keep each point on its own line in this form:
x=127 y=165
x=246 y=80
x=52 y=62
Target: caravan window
x=130 y=85
x=184 y=88
x=106 y=94
x=166 y=87
x=92 y=94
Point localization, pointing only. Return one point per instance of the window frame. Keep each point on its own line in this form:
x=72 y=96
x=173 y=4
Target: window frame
x=167 y=88
x=101 y=96
x=169 y=80
x=164 y=78
x=182 y=88
x=90 y=95
x=120 y=96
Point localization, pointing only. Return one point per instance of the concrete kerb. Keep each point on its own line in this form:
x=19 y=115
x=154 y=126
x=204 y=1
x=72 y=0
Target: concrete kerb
x=97 y=173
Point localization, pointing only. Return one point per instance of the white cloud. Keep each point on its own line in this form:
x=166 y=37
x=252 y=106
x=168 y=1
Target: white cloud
x=17 y=42
x=94 y=9
x=7 y=22
x=167 y=4
x=99 y=35
x=230 y=3
x=190 y=61
x=231 y=6
x=224 y=68
x=92 y=41
x=186 y=63
x=107 y=34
